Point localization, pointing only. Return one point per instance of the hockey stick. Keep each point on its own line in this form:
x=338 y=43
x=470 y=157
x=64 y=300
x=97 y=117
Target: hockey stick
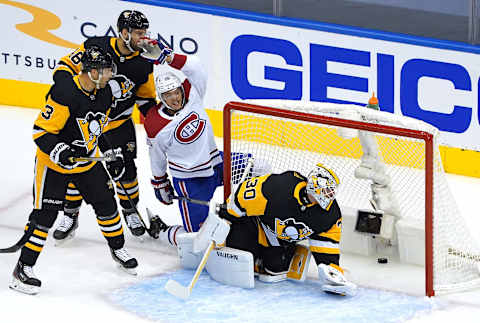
x=184 y=198
x=20 y=243
x=100 y=159
x=174 y=287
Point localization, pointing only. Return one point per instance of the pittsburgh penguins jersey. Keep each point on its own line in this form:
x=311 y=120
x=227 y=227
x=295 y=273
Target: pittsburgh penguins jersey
x=72 y=116
x=133 y=73
x=284 y=213
x=184 y=141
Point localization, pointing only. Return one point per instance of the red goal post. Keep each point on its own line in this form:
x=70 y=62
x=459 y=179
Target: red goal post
x=247 y=125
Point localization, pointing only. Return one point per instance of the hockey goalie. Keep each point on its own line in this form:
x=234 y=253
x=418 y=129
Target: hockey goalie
x=262 y=227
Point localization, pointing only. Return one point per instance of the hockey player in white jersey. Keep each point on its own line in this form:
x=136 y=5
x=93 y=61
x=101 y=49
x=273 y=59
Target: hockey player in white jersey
x=180 y=135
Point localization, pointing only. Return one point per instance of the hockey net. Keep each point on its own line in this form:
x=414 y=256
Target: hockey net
x=367 y=149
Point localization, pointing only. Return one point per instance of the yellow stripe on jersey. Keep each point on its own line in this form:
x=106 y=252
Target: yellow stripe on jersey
x=40 y=233
x=147 y=89
x=73 y=198
x=125 y=198
x=114 y=233
x=33 y=247
x=38 y=133
x=335 y=232
x=40 y=170
x=111 y=221
x=128 y=185
x=250 y=197
x=330 y=251
x=53 y=117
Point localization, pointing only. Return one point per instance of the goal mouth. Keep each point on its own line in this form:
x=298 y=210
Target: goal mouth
x=386 y=163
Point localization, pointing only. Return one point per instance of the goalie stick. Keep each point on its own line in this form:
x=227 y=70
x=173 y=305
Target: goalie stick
x=177 y=289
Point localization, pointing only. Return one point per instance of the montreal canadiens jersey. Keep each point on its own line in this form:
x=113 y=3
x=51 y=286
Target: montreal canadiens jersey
x=184 y=141
x=134 y=73
x=280 y=203
x=72 y=116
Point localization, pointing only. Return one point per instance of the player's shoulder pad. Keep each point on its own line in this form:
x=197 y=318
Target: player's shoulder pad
x=62 y=92
x=154 y=122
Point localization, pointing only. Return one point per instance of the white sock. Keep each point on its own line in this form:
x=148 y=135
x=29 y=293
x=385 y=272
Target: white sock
x=170 y=235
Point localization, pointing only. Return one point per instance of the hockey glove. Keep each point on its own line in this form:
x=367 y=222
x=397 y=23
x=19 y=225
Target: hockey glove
x=62 y=155
x=155 y=51
x=163 y=189
x=333 y=281
x=116 y=167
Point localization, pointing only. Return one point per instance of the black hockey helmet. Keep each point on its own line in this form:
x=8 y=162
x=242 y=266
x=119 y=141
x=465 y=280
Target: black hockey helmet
x=95 y=57
x=132 y=19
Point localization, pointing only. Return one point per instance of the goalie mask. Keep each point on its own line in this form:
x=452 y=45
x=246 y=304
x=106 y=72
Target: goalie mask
x=170 y=91
x=322 y=185
x=96 y=58
x=131 y=19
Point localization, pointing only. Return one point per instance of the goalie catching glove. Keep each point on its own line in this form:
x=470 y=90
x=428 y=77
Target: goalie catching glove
x=116 y=167
x=163 y=189
x=155 y=51
x=333 y=281
x=213 y=229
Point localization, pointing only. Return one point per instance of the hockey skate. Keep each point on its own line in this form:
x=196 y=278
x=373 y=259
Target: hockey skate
x=133 y=222
x=24 y=279
x=66 y=230
x=124 y=260
x=266 y=277
x=156 y=225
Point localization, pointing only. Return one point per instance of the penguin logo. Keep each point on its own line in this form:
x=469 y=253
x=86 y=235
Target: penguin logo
x=291 y=230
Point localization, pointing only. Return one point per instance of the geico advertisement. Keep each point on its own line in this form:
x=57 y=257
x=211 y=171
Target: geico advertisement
x=437 y=86
x=250 y=60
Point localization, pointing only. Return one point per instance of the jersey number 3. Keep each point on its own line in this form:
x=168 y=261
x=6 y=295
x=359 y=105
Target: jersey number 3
x=47 y=114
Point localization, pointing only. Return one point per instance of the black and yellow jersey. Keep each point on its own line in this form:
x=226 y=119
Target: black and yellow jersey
x=285 y=214
x=133 y=72
x=75 y=117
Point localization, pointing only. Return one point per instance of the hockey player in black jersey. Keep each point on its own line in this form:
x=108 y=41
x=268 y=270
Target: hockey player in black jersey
x=270 y=214
x=68 y=127
x=135 y=74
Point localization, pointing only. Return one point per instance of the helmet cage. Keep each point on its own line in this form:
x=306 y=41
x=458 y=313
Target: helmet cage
x=322 y=185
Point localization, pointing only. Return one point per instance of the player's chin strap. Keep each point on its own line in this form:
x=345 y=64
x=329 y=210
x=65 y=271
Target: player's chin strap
x=97 y=81
x=127 y=40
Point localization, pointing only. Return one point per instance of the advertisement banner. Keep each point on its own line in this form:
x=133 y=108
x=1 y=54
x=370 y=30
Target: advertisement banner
x=250 y=59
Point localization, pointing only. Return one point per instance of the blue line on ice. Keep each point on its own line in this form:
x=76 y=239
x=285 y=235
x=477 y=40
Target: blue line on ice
x=281 y=302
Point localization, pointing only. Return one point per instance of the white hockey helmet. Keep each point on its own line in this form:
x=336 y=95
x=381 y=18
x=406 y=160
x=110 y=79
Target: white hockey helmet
x=322 y=184
x=166 y=82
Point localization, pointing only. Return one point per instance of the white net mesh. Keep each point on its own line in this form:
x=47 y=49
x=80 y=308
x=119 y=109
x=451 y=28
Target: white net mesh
x=279 y=143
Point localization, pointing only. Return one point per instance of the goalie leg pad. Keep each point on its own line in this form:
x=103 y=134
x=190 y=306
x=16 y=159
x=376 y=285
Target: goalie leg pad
x=299 y=264
x=188 y=259
x=232 y=267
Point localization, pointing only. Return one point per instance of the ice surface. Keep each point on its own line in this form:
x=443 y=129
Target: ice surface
x=81 y=283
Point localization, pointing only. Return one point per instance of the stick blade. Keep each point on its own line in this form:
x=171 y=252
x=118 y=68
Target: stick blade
x=174 y=288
